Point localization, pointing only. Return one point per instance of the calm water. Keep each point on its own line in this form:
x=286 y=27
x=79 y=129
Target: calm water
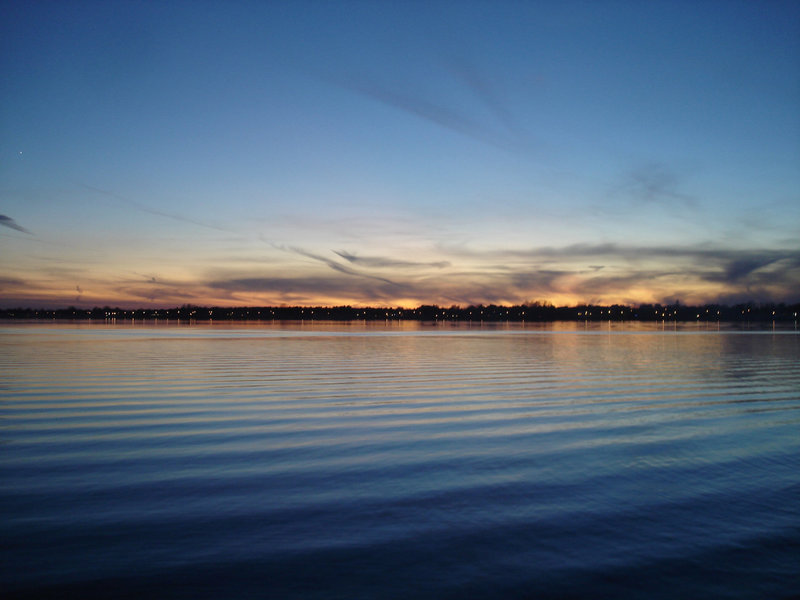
x=399 y=461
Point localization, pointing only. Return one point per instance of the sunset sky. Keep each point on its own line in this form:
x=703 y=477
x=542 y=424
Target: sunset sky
x=398 y=153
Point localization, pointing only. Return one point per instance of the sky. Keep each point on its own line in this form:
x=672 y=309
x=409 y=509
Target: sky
x=154 y=154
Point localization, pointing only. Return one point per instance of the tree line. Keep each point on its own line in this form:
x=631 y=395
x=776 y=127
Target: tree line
x=536 y=311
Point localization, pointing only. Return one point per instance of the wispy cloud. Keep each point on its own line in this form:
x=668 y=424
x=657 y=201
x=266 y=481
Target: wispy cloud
x=332 y=264
x=12 y=224
x=740 y=268
x=441 y=115
x=145 y=208
x=755 y=273
x=631 y=252
x=381 y=262
x=308 y=287
x=601 y=273
x=509 y=136
x=543 y=279
x=474 y=79
x=627 y=273
x=654 y=183
x=15 y=282
x=157 y=294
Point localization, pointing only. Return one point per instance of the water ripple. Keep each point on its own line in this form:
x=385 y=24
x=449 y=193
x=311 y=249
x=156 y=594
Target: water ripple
x=393 y=463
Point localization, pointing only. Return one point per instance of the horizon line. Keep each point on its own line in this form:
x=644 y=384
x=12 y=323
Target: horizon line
x=535 y=311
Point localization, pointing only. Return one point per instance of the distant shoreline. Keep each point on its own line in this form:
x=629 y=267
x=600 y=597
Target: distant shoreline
x=495 y=313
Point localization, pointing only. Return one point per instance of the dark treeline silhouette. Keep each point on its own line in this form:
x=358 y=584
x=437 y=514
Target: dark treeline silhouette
x=536 y=311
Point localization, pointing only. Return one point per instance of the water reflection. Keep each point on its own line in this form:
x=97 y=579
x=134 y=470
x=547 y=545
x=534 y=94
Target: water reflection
x=518 y=457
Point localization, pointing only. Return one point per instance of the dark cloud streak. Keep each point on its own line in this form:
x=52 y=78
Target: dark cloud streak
x=655 y=183
x=334 y=265
x=696 y=252
x=471 y=76
x=439 y=114
x=384 y=262
x=12 y=224
x=741 y=271
x=313 y=286
x=144 y=208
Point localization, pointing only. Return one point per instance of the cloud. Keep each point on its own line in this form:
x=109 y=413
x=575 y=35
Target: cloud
x=543 y=280
x=509 y=138
x=12 y=224
x=309 y=287
x=12 y=282
x=629 y=273
x=28 y=292
x=467 y=72
x=655 y=183
x=633 y=252
x=760 y=279
x=153 y=293
x=338 y=267
x=440 y=115
x=645 y=187
x=631 y=270
x=773 y=267
x=144 y=208
x=575 y=273
x=384 y=262
x=740 y=268
x=620 y=283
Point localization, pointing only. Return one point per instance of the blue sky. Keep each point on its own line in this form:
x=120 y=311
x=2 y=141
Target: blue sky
x=398 y=153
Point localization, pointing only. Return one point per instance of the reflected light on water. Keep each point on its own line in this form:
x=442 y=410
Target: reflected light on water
x=369 y=460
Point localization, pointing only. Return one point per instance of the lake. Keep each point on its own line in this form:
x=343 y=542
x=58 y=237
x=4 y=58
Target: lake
x=399 y=460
